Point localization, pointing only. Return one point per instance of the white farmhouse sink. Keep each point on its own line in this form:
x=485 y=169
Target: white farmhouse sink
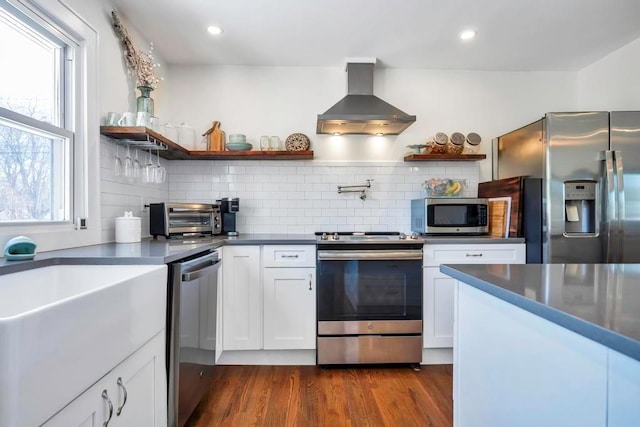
x=64 y=327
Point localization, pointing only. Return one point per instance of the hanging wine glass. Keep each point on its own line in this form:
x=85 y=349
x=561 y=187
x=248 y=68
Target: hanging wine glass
x=149 y=170
x=161 y=172
x=128 y=166
x=136 y=167
x=117 y=164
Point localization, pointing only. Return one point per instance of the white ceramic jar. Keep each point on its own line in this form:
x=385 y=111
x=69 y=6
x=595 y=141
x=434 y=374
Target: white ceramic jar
x=128 y=228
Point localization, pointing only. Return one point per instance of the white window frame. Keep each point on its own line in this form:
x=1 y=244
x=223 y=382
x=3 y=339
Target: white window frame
x=81 y=75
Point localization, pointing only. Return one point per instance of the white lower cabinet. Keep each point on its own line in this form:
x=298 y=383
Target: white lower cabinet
x=438 y=294
x=289 y=308
x=132 y=394
x=241 y=298
x=439 y=289
x=623 y=389
x=268 y=302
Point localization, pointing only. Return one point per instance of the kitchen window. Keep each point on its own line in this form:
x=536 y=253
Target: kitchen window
x=36 y=139
x=47 y=115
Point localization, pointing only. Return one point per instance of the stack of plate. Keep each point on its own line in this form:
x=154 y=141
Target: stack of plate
x=239 y=146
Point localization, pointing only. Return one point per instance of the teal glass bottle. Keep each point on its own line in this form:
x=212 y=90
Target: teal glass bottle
x=144 y=101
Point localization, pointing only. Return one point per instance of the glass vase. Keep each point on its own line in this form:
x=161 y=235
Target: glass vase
x=144 y=101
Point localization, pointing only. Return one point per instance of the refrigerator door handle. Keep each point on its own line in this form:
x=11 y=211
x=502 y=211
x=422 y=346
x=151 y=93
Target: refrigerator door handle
x=619 y=204
x=610 y=206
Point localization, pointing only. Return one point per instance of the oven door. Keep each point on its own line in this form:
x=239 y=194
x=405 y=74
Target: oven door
x=369 y=285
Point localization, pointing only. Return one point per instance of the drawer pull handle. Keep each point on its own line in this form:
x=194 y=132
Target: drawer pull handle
x=310 y=276
x=289 y=256
x=105 y=396
x=124 y=390
x=474 y=255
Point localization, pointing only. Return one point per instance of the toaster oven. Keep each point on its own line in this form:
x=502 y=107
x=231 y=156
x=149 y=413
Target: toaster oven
x=450 y=216
x=180 y=220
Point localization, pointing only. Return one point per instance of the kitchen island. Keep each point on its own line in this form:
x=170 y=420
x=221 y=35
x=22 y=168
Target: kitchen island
x=555 y=344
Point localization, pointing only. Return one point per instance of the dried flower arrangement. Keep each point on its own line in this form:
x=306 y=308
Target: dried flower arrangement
x=142 y=63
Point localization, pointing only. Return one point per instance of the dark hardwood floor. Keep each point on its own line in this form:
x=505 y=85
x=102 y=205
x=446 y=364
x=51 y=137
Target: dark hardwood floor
x=310 y=396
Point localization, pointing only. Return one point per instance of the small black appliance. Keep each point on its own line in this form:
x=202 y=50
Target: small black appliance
x=228 y=209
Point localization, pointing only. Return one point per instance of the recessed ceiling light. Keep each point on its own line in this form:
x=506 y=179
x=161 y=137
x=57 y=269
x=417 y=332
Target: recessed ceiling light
x=468 y=34
x=214 y=30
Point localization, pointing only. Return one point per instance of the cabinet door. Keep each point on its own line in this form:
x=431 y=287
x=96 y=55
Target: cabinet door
x=289 y=308
x=90 y=409
x=438 y=296
x=142 y=379
x=241 y=308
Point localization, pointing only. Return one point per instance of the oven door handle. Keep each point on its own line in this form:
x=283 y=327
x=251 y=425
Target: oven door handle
x=410 y=254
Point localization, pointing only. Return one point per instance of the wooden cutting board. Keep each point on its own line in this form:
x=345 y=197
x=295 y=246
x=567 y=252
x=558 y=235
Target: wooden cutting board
x=216 y=138
x=508 y=187
x=498 y=214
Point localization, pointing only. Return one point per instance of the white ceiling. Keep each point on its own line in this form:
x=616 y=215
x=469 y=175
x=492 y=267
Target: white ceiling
x=517 y=35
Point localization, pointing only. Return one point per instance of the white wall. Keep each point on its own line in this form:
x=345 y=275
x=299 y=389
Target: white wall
x=283 y=100
x=118 y=93
x=301 y=196
x=612 y=83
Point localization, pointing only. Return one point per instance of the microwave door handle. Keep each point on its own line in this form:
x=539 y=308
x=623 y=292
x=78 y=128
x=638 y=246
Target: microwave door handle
x=620 y=204
x=610 y=208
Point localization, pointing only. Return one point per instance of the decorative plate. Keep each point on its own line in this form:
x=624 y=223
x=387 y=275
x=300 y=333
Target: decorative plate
x=297 y=142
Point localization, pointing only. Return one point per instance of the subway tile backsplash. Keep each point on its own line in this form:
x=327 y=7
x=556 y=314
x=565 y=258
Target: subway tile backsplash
x=301 y=197
x=119 y=195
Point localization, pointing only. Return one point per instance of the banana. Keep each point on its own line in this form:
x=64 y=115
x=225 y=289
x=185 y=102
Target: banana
x=453 y=189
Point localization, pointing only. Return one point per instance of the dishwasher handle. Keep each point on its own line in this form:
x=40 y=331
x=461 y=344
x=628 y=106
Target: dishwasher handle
x=200 y=266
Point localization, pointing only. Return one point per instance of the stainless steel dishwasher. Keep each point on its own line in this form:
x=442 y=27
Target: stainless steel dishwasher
x=191 y=332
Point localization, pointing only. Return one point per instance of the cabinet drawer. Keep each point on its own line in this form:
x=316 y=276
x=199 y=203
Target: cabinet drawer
x=497 y=253
x=289 y=256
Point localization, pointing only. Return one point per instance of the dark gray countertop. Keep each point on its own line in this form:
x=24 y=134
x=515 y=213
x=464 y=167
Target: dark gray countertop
x=161 y=251
x=598 y=301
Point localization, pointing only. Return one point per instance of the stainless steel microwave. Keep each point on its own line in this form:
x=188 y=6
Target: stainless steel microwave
x=450 y=216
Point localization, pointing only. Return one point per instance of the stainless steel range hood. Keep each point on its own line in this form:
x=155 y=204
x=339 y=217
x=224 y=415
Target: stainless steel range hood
x=361 y=112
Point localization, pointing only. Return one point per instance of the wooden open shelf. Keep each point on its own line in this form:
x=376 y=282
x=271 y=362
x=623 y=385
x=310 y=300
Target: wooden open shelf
x=447 y=157
x=147 y=139
x=251 y=155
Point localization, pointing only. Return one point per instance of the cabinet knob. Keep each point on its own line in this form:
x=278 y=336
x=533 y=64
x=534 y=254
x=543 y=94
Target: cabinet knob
x=310 y=277
x=201 y=374
x=105 y=396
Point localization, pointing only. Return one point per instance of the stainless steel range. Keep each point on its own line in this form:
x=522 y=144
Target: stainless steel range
x=369 y=298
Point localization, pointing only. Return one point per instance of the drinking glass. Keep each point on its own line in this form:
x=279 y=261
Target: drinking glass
x=264 y=143
x=149 y=170
x=128 y=165
x=117 y=164
x=274 y=143
x=161 y=172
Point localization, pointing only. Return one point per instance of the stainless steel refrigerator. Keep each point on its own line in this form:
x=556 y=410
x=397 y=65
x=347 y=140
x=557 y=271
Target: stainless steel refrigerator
x=584 y=170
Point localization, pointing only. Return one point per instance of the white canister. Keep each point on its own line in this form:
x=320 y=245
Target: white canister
x=128 y=228
x=187 y=136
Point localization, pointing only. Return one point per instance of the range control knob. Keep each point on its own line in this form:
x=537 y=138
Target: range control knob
x=414 y=236
x=324 y=236
x=336 y=236
x=403 y=236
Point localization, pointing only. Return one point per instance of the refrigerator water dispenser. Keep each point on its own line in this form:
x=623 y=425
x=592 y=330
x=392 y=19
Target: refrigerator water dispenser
x=580 y=207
